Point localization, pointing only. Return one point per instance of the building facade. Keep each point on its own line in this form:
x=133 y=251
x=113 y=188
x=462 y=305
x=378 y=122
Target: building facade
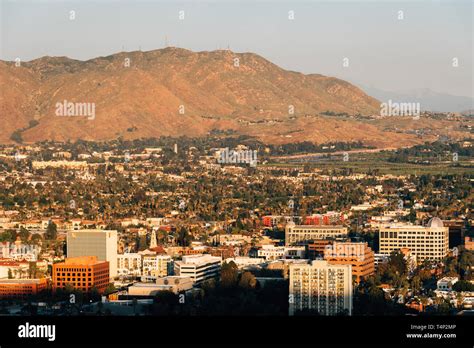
x=156 y=266
x=306 y=234
x=430 y=242
x=99 y=243
x=198 y=267
x=21 y=288
x=129 y=264
x=321 y=287
x=359 y=255
x=174 y=284
x=83 y=273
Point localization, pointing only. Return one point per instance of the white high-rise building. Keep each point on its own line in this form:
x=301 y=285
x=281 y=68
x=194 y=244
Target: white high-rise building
x=430 y=242
x=100 y=243
x=198 y=267
x=321 y=287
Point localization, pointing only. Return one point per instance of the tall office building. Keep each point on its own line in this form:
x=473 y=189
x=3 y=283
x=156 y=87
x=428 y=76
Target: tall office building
x=306 y=234
x=100 y=243
x=198 y=267
x=359 y=255
x=321 y=287
x=430 y=242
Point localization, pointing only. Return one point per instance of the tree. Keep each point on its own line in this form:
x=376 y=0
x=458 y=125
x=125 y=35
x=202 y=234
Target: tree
x=36 y=238
x=398 y=262
x=229 y=274
x=51 y=231
x=463 y=285
x=16 y=137
x=24 y=234
x=110 y=289
x=142 y=245
x=444 y=307
x=247 y=280
x=165 y=303
x=184 y=239
x=32 y=269
x=369 y=299
x=416 y=284
x=8 y=236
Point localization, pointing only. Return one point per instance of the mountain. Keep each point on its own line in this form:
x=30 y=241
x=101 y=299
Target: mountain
x=175 y=92
x=428 y=99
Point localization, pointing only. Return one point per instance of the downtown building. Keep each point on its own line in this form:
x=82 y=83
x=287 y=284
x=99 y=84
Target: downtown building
x=83 y=273
x=21 y=288
x=129 y=265
x=320 y=287
x=147 y=265
x=274 y=220
x=430 y=242
x=272 y=252
x=359 y=255
x=306 y=234
x=99 y=243
x=156 y=266
x=198 y=267
x=329 y=218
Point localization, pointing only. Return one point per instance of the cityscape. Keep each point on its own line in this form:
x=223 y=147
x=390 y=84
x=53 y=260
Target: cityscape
x=170 y=164
x=150 y=227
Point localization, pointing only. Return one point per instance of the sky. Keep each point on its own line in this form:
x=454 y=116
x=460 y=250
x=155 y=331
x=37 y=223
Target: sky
x=384 y=48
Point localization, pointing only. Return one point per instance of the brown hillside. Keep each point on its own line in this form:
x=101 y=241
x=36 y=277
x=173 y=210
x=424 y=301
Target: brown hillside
x=144 y=100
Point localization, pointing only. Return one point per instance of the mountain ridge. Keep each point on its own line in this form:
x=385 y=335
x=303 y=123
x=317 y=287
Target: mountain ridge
x=174 y=91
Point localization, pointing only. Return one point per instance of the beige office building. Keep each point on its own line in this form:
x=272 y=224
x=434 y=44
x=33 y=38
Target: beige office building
x=305 y=234
x=321 y=287
x=198 y=267
x=430 y=242
x=156 y=266
x=99 y=243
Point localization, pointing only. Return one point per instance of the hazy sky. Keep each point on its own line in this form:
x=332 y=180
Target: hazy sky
x=383 y=51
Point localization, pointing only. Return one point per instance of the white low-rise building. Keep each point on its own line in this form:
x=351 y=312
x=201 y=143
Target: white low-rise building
x=171 y=283
x=198 y=267
x=246 y=262
x=271 y=252
x=305 y=234
x=446 y=283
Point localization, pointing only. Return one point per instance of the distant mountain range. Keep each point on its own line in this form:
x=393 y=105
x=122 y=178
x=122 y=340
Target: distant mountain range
x=429 y=100
x=174 y=92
